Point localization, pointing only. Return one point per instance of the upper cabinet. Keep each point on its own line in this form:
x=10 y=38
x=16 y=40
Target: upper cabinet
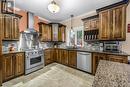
x=112 y=23
x=52 y=32
x=9 y=27
x=62 y=33
x=45 y=32
x=109 y=24
x=91 y=28
x=91 y=23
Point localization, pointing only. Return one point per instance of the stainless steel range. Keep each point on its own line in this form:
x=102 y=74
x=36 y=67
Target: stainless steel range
x=29 y=42
x=34 y=60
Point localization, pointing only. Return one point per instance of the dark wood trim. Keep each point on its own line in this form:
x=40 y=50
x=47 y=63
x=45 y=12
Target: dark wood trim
x=91 y=17
x=113 y=5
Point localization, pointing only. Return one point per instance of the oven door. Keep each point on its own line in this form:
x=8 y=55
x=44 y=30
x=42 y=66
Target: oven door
x=34 y=61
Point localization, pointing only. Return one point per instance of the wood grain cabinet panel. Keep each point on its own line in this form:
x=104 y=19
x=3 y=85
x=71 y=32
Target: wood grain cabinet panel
x=12 y=66
x=112 y=23
x=48 y=56
x=19 y=64
x=9 y=27
x=8 y=67
x=119 y=23
x=62 y=33
x=120 y=59
x=104 y=25
x=45 y=32
x=64 y=59
x=72 y=57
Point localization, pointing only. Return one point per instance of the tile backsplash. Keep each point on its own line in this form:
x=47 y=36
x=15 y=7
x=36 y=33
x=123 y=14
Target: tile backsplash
x=6 y=45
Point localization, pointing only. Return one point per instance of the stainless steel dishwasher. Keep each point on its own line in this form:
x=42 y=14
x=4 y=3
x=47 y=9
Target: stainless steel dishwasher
x=84 y=61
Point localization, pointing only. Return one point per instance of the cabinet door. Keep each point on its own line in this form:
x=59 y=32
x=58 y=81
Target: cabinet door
x=19 y=64
x=120 y=59
x=8 y=67
x=94 y=23
x=61 y=34
x=72 y=57
x=15 y=28
x=59 y=56
x=49 y=32
x=7 y=30
x=2 y=27
x=87 y=25
x=105 y=20
x=48 y=56
x=119 y=23
x=64 y=59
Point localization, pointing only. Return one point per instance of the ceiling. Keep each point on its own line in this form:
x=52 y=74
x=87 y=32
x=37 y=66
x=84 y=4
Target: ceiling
x=68 y=7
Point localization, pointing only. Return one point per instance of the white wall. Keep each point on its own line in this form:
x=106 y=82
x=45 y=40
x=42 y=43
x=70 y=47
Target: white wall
x=78 y=22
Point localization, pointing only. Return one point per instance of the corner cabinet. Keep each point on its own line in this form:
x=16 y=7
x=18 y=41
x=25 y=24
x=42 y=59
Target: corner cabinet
x=45 y=32
x=112 y=23
x=12 y=66
x=52 y=32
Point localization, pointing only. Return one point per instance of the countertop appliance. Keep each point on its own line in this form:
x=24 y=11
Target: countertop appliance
x=111 y=46
x=84 y=61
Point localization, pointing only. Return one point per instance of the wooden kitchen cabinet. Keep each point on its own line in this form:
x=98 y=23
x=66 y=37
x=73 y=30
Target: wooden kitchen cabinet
x=62 y=33
x=19 y=64
x=112 y=23
x=64 y=57
x=9 y=25
x=45 y=32
x=12 y=66
x=15 y=28
x=120 y=59
x=49 y=56
x=72 y=59
x=8 y=67
x=91 y=23
x=105 y=25
x=119 y=23
x=99 y=56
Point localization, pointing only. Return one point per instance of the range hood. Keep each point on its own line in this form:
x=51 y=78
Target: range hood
x=29 y=39
x=30 y=18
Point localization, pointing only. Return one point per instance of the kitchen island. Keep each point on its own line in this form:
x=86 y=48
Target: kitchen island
x=112 y=74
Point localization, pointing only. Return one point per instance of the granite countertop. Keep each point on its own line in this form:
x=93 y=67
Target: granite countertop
x=112 y=74
x=7 y=52
x=96 y=51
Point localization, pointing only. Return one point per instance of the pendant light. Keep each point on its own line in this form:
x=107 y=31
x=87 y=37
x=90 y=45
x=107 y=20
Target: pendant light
x=53 y=7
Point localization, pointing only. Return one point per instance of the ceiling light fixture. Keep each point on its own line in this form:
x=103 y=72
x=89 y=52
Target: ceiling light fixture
x=53 y=7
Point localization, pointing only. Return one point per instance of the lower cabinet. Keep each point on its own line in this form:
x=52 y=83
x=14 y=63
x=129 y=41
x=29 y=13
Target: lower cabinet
x=8 y=67
x=99 y=56
x=13 y=66
x=49 y=56
x=72 y=57
x=19 y=62
x=64 y=57
x=61 y=56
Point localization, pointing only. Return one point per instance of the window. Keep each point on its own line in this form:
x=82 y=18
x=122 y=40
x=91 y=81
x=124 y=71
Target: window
x=76 y=37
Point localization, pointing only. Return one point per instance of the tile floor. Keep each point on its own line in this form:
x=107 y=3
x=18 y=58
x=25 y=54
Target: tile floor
x=53 y=75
